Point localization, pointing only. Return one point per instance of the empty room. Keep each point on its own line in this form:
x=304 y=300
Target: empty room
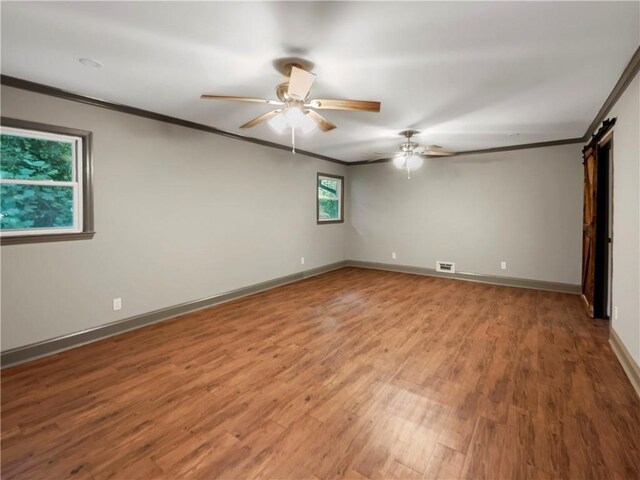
x=320 y=240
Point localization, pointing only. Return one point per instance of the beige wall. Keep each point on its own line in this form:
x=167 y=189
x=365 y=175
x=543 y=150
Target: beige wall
x=180 y=215
x=523 y=207
x=626 y=218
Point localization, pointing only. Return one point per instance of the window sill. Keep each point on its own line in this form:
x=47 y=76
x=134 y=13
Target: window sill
x=49 y=237
x=323 y=222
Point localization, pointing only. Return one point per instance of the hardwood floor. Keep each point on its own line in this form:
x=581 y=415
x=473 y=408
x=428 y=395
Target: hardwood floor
x=355 y=373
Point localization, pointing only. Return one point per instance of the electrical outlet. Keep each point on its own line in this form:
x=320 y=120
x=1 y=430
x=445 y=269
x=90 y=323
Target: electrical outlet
x=301 y=260
x=117 y=304
x=503 y=265
x=615 y=312
x=393 y=255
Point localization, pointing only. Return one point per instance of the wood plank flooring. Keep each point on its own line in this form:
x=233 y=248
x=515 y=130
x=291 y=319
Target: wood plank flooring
x=357 y=374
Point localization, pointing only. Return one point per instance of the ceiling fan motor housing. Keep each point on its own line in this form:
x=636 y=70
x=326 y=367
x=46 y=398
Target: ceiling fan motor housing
x=282 y=93
x=408 y=146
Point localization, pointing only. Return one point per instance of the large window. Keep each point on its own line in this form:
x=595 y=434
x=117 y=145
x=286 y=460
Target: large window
x=330 y=207
x=45 y=182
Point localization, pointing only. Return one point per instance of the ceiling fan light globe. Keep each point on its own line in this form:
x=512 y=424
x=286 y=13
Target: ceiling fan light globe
x=294 y=117
x=399 y=161
x=307 y=125
x=414 y=162
x=278 y=123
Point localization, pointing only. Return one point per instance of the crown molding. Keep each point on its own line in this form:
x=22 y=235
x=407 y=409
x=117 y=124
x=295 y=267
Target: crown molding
x=96 y=102
x=629 y=73
x=523 y=146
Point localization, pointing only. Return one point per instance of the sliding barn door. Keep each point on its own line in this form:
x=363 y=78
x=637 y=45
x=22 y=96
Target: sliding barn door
x=589 y=226
x=596 y=218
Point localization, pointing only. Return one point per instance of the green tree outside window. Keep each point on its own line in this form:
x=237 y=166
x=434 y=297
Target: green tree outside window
x=27 y=165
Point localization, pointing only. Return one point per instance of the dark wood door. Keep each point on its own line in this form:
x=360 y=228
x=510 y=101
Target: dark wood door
x=589 y=226
x=596 y=218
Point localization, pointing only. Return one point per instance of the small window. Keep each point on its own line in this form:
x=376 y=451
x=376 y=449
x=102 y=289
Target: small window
x=330 y=206
x=45 y=175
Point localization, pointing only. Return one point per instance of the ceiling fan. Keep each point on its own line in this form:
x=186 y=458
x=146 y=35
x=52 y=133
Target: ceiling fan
x=411 y=155
x=295 y=108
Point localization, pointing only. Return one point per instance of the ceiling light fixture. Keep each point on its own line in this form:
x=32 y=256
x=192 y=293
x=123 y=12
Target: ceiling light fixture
x=295 y=108
x=411 y=155
x=293 y=117
x=296 y=118
x=414 y=162
x=408 y=161
x=400 y=161
x=278 y=123
x=88 y=62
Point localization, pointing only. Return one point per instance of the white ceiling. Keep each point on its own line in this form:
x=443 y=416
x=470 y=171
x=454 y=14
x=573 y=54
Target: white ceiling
x=468 y=75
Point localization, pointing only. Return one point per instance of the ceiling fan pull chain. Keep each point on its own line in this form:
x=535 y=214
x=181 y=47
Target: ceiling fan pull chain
x=293 y=140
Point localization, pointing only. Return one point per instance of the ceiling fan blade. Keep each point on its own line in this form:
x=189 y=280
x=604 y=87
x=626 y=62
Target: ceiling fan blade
x=437 y=153
x=324 y=124
x=262 y=118
x=387 y=154
x=300 y=83
x=359 y=105
x=240 y=99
